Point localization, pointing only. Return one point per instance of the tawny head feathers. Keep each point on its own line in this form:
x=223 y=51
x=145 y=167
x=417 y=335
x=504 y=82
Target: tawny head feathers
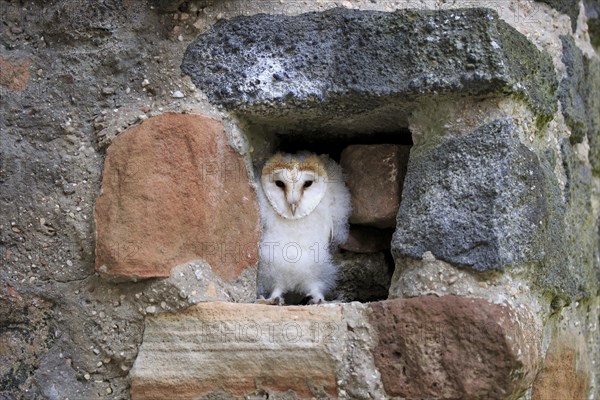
x=294 y=185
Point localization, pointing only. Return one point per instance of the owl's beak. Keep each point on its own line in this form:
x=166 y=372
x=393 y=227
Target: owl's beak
x=293 y=207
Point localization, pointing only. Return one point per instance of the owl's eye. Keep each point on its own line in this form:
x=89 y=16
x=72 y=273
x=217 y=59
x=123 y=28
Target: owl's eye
x=308 y=184
x=280 y=184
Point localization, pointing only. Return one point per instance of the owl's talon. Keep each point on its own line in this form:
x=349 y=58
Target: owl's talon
x=316 y=300
x=271 y=301
x=262 y=300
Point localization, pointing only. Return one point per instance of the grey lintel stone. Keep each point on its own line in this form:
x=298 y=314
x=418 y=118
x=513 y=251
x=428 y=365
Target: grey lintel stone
x=363 y=71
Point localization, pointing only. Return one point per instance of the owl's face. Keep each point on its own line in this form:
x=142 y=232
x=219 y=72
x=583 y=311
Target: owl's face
x=294 y=187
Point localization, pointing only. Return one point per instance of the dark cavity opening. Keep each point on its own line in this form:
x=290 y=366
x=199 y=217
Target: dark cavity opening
x=325 y=143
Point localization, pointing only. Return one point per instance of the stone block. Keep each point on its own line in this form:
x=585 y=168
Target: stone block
x=367 y=70
x=579 y=95
x=173 y=190
x=453 y=348
x=578 y=274
x=424 y=347
x=482 y=200
x=374 y=175
x=238 y=350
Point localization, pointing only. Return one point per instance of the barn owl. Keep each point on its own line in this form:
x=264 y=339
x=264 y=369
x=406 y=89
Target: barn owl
x=304 y=207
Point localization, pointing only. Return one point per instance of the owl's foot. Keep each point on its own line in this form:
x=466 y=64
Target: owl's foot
x=315 y=293
x=271 y=301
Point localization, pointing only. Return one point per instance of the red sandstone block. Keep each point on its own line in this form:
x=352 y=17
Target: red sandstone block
x=453 y=348
x=374 y=175
x=173 y=190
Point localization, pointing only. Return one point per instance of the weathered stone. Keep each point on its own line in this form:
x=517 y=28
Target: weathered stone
x=365 y=239
x=565 y=374
x=363 y=277
x=192 y=283
x=274 y=72
x=453 y=348
x=14 y=75
x=579 y=95
x=571 y=90
x=51 y=165
x=578 y=270
x=425 y=347
x=459 y=204
x=482 y=200
x=25 y=338
x=592 y=12
x=57 y=379
x=374 y=175
x=569 y=7
x=238 y=350
x=592 y=100
x=173 y=190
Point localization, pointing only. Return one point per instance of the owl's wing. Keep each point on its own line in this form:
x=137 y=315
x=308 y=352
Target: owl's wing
x=331 y=230
x=339 y=202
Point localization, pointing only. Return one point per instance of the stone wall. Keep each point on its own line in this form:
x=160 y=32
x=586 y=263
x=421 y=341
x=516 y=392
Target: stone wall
x=130 y=133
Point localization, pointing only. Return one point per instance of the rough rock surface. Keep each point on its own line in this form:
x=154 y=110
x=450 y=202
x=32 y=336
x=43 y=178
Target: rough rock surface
x=271 y=69
x=374 y=176
x=592 y=12
x=579 y=95
x=569 y=7
x=443 y=347
x=363 y=277
x=14 y=75
x=239 y=349
x=86 y=64
x=25 y=337
x=458 y=201
x=570 y=367
x=114 y=63
x=579 y=237
x=459 y=204
x=365 y=239
x=227 y=350
x=592 y=69
x=565 y=373
x=173 y=190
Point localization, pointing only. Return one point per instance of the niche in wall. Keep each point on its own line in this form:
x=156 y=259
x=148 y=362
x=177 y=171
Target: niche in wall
x=374 y=167
x=328 y=80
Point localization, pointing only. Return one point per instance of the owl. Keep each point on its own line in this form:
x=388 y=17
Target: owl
x=304 y=206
